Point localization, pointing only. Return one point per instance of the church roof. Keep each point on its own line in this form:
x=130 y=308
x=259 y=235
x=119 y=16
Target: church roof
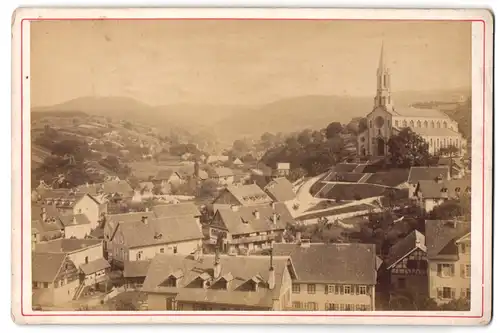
x=419 y=113
x=435 y=132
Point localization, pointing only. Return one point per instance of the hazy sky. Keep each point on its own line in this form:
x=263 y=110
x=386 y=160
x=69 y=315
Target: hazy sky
x=241 y=62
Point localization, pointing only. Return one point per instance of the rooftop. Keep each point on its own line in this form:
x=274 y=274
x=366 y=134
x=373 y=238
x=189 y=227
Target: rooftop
x=174 y=210
x=248 y=194
x=404 y=247
x=66 y=245
x=453 y=188
x=427 y=173
x=280 y=189
x=419 y=113
x=45 y=266
x=440 y=237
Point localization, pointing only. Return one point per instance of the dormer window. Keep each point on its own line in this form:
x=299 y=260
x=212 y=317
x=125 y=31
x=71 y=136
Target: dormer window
x=457 y=189
x=173 y=279
x=444 y=190
x=467 y=190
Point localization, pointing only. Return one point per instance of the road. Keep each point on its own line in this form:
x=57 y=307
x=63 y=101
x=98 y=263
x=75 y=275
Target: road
x=304 y=197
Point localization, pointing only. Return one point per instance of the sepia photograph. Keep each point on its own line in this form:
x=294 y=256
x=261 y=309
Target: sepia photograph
x=255 y=165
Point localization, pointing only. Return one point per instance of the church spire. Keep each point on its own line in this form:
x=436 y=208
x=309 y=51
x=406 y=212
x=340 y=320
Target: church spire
x=383 y=97
x=381 y=64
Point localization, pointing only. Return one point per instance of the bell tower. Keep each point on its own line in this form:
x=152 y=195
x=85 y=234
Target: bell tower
x=383 y=97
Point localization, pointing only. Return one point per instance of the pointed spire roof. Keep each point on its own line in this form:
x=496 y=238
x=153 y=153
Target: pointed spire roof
x=381 y=64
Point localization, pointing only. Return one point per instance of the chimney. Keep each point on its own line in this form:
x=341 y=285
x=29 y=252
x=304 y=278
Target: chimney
x=439 y=179
x=256 y=213
x=271 y=281
x=217 y=266
x=146 y=209
x=273 y=205
x=235 y=208
x=298 y=237
x=145 y=219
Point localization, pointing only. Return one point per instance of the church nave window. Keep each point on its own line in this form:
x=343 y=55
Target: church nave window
x=419 y=124
x=412 y=124
x=438 y=124
x=426 y=124
x=396 y=123
x=432 y=124
x=445 y=125
x=405 y=124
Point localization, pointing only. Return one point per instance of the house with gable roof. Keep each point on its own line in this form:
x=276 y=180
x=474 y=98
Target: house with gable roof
x=249 y=228
x=332 y=277
x=220 y=282
x=432 y=193
x=418 y=174
x=407 y=264
x=113 y=190
x=242 y=195
x=280 y=190
x=449 y=259
x=221 y=175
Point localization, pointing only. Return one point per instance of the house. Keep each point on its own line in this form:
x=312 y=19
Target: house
x=45 y=223
x=282 y=169
x=167 y=178
x=208 y=282
x=144 y=191
x=449 y=263
x=113 y=191
x=237 y=162
x=249 y=228
x=407 y=264
x=186 y=209
x=221 y=175
x=217 y=159
x=425 y=173
x=85 y=254
x=456 y=166
x=76 y=226
x=75 y=203
x=332 y=277
x=134 y=273
x=280 y=190
x=143 y=239
x=432 y=193
x=242 y=195
x=55 y=279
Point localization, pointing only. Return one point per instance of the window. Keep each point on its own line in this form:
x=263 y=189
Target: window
x=138 y=256
x=446 y=270
x=331 y=289
x=86 y=260
x=347 y=289
x=175 y=249
x=419 y=124
x=296 y=288
x=412 y=124
x=396 y=123
x=445 y=125
x=464 y=248
x=362 y=290
x=432 y=124
x=426 y=124
x=312 y=306
x=297 y=305
x=341 y=307
x=45 y=285
x=465 y=293
x=446 y=293
x=438 y=124
x=330 y=307
x=349 y=307
x=405 y=124
x=338 y=289
x=311 y=288
x=466 y=271
x=162 y=250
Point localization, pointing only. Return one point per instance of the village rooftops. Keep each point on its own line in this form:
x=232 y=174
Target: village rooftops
x=441 y=237
x=413 y=241
x=242 y=281
x=453 y=188
x=77 y=219
x=332 y=263
x=95 y=266
x=66 y=245
x=216 y=158
x=280 y=189
x=427 y=173
x=175 y=210
x=248 y=195
x=160 y=231
x=220 y=172
x=46 y=266
x=252 y=219
x=121 y=187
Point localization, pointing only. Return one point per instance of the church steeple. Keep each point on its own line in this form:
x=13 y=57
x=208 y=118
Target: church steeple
x=383 y=96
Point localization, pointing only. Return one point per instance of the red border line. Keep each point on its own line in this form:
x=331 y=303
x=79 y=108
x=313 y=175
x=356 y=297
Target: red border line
x=292 y=314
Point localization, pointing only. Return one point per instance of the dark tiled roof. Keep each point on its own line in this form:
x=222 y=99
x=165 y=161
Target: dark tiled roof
x=138 y=268
x=95 y=266
x=175 y=210
x=117 y=186
x=427 y=173
x=244 y=221
x=220 y=172
x=66 y=245
x=430 y=189
x=280 y=189
x=440 y=237
x=242 y=270
x=414 y=240
x=45 y=266
x=248 y=194
x=72 y=220
x=332 y=263
x=160 y=231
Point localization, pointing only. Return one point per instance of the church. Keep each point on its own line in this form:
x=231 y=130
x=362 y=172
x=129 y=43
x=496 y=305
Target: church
x=385 y=120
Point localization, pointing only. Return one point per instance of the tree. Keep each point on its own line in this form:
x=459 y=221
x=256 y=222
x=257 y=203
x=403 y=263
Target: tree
x=362 y=126
x=407 y=149
x=208 y=189
x=297 y=173
x=451 y=209
x=125 y=305
x=333 y=130
x=448 y=151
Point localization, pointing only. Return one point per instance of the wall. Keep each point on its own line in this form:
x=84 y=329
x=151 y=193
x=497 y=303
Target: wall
x=65 y=293
x=157 y=302
x=417 y=283
x=94 y=278
x=79 y=231
x=90 y=208
x=93 y=253
x=285 y=300
x=150 y=252
x=321 y=298
x=458 y=282
x=373 y=130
